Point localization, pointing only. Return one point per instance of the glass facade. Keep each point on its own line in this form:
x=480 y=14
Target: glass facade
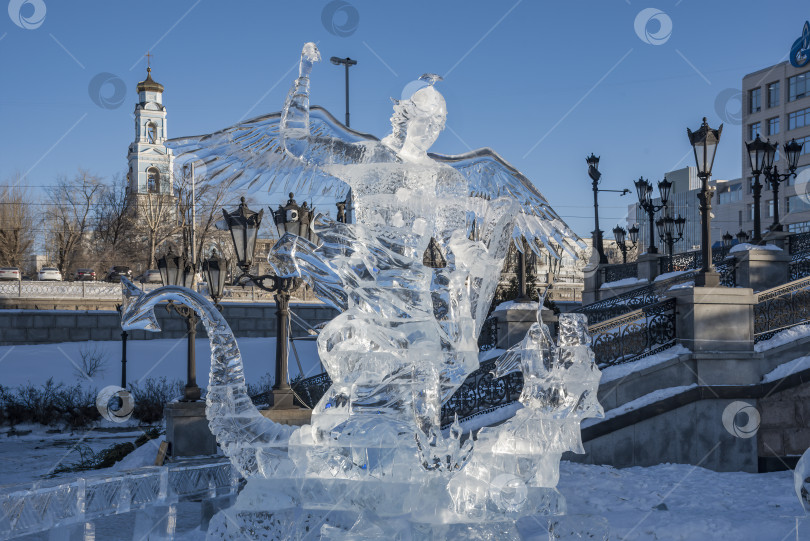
x=799 y=119
x=773 y=94
x=755 y=100
x=754 y=130
x=773 y=125
x=797 y=86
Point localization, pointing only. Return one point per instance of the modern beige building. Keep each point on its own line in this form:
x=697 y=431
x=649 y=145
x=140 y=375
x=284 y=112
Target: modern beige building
x=776 y=105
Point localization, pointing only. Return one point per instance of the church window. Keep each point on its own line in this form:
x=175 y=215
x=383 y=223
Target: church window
x=151 y=133
x=153 y=180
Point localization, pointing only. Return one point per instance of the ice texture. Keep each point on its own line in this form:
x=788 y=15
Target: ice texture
x=405 y=340
x=801 y=481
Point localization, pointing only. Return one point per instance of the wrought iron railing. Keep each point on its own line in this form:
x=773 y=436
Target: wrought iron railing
x=31 y=509
x=310 y=390
x=689 y=260
x=635 y=335
x=799 y=243
x=799 y=267
x=780 y=308
x=482 y=393
x=632 y=300
x=613 y=273
x=488 y=338
x=727 y=269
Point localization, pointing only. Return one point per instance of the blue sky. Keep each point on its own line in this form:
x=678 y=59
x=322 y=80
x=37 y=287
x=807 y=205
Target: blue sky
x=542 y=83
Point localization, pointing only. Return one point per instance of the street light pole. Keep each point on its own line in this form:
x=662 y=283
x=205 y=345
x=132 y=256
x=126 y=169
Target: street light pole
x=704 y=143
x=757 y=154
x=772 y=175
x=244 y=226
x=346 y=62
x=596 y=175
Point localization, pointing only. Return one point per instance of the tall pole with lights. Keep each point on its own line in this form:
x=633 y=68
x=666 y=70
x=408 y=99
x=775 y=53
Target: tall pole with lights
x=596 y=175
x=347 y=63
x=792 y=151
x=704 y=143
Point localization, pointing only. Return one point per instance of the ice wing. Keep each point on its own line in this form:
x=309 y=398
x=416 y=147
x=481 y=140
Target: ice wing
x=490 y=176
x=249 y=156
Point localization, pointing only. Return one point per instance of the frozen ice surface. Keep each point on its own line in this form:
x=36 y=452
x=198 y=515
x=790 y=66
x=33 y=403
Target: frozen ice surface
x=374 y=457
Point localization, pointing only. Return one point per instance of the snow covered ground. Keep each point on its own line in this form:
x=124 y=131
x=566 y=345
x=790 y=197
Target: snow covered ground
x=671 y=502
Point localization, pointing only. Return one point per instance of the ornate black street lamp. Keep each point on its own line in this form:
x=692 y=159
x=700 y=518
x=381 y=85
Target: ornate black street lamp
x=757 y=153
x=670 y=231
x=704 y=143
x=174 y=271
x=593 y=172
x=727 y=240
x=742 y=237
x=620 y=235
x=216 y=273
x=244 y=226
x=792 y=151
x=644 y=191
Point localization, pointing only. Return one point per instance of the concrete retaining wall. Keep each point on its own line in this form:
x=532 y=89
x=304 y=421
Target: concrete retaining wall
x=19 y=327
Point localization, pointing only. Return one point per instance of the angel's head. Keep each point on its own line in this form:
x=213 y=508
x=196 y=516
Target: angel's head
x=418 y=120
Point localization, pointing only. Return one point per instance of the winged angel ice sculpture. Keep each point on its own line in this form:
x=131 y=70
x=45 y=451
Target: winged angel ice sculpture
x=406 y=337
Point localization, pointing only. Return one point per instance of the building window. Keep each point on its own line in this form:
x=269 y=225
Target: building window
x=797 y=203
x=773 y=125
x=750 y=211
x=798 y=227
x=153 y=180
x=755 y=99
x=151 y=133
x=773 y=94
x=754 y=130
x=770 y=208
x=797 y=86
x=799 y=119
x=739 y=219
x=732 y=194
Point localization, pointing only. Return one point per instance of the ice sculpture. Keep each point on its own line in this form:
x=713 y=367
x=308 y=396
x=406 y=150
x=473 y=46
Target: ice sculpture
x=374 y=462
x=801 y=481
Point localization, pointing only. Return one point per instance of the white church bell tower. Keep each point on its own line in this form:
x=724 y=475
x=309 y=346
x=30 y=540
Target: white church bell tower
x=150 y=162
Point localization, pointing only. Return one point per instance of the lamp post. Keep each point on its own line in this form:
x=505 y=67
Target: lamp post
x=175 y=271
x=742 y=237
x=619 y=234
x=347 y=62
x=772 y=175
x=244 y=226
x=124 y=336
x=704 y=143
x=757 y=153
x=595 y=174
x=670 y=231
x=521 y=270
x=644 y=191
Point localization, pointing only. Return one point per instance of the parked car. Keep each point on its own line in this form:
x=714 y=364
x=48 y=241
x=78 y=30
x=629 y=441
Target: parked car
x=115 y=273
x=151 y=276
x=83 y=275
x=50 y=274
x=10 y=273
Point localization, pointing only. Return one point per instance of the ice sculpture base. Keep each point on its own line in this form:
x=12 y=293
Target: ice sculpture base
x=291 y=416
x=187 y=429
x=340 y=509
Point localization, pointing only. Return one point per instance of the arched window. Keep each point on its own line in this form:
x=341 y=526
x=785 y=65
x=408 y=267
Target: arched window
x=153 y=180
x=151 y=133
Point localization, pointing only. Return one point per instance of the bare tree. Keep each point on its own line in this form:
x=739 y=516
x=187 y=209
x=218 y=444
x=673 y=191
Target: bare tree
x=209 y=199
x=113 y=223
x=17 y=234
x=69 y=216
x=157 y=214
